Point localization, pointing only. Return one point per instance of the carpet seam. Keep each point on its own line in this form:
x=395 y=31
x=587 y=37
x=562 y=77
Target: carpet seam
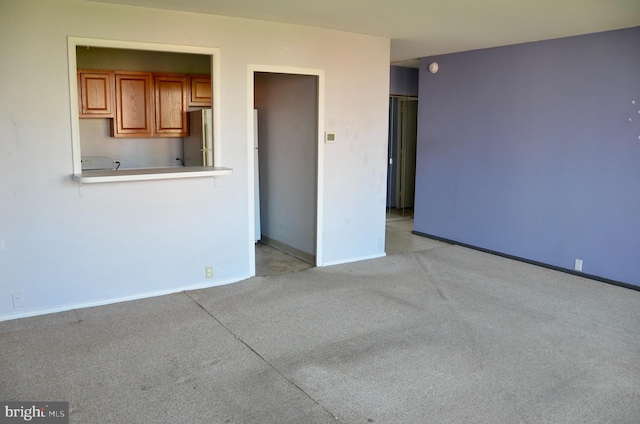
x=263 y=358
x=425 y=272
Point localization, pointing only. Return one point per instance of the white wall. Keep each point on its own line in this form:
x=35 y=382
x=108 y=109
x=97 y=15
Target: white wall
x=64 y=245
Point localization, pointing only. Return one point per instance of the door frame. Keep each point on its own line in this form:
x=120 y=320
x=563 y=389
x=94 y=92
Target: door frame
x=319 y=73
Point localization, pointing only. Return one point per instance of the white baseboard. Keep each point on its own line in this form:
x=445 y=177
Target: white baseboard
x=145 y=295
x=290 y=250
x=361 y=258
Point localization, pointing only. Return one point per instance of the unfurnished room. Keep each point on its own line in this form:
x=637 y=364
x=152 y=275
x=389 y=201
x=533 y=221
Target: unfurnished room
x=419 y=211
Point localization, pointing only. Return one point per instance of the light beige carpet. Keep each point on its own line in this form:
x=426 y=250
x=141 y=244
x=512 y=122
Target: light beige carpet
x=446 y=335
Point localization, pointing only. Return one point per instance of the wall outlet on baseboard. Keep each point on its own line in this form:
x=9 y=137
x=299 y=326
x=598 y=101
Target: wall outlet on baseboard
x=17 y=300
x=208 y=271
x=578 y=265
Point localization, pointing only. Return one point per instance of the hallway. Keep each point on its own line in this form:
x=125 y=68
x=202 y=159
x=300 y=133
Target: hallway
x=398 y=239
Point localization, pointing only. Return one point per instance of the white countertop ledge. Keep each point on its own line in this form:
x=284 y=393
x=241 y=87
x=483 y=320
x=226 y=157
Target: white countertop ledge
x=90 y=177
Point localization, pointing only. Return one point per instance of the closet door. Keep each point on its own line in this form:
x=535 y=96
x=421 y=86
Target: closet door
x=408 y=128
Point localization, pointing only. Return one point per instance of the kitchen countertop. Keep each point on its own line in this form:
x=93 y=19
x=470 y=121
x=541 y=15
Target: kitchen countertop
x=88 y=177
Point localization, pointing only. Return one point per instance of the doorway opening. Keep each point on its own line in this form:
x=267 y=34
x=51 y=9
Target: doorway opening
x=285 y=171
x=403 y=131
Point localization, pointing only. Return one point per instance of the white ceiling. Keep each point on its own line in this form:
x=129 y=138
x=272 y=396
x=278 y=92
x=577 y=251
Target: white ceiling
x=419 y=28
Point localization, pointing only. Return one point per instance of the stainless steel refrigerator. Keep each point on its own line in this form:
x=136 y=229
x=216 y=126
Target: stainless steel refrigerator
x=198 y=145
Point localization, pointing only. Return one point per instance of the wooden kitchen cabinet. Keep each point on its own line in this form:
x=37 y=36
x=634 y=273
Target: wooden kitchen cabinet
x=134 y=105
x=95 y=94
x=141 y=104
x=200 y=90
x=170 y=105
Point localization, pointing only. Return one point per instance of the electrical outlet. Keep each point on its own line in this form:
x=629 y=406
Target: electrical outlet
x=17 y=300
x=578 y=265
x=208 y=272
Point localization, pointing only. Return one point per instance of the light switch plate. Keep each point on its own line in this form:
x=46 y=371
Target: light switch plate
x=329 y=137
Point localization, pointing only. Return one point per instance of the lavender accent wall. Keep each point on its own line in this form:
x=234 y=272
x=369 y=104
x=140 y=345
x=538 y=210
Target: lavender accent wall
x=533 y=150
x=403 y=81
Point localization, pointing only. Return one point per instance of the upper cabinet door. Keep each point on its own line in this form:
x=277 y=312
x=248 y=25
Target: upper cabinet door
x=171 y=105
x=200 y=90
x=95 y=92
x=134 y=109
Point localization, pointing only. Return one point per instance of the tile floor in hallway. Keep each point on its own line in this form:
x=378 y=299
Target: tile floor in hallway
x=270 y=261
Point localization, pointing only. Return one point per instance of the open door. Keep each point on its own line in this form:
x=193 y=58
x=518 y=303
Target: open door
x=403 y=128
